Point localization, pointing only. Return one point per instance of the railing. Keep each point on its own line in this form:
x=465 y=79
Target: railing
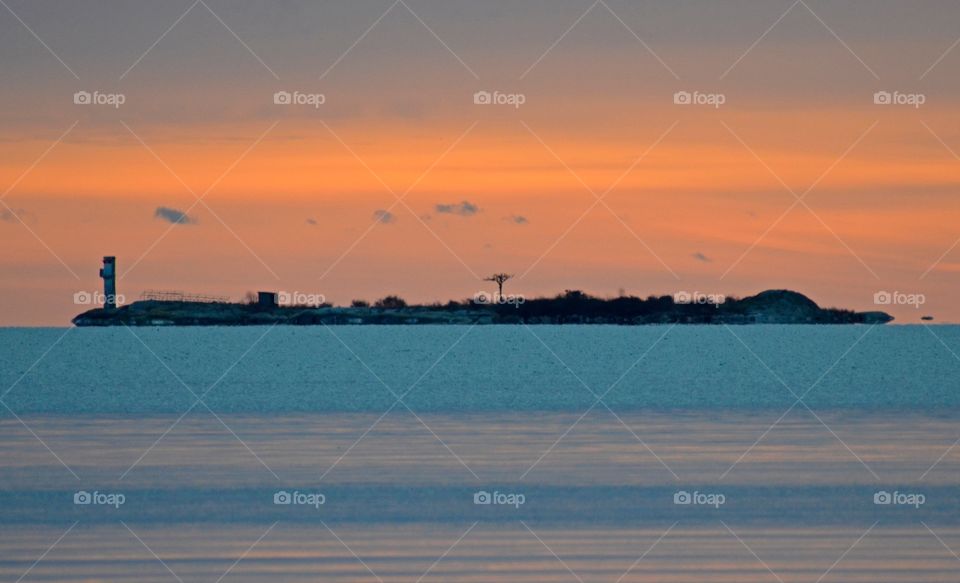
x=179 y=296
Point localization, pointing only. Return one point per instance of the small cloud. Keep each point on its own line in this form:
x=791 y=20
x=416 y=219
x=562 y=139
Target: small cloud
x=312 y=221
x=518 y=220
x=385 y=217
x=9 y=215
x=173 y=216
x=701 y=257
x=463 y=209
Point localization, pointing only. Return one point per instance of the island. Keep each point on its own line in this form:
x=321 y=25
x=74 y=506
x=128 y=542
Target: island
x=570 y=307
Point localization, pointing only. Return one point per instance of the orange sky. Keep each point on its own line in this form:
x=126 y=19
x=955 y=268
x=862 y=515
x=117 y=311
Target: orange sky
x=295 y=189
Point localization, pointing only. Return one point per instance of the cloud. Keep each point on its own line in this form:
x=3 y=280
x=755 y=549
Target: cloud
x=385 y=217
x=464 y=209
x=9 y=215
x=701 y=257
x=312 y=221
x=518 y=219
x=173 y=216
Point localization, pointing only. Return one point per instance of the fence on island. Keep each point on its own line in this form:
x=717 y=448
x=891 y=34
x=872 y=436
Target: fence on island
x=179 y=296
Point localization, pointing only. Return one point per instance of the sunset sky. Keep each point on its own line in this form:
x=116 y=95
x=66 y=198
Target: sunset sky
x=302 y=198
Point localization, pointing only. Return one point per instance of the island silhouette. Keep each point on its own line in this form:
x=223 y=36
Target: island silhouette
x=569 y=307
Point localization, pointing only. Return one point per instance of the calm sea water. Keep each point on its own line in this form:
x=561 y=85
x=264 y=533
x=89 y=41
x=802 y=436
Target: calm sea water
x=760 y=453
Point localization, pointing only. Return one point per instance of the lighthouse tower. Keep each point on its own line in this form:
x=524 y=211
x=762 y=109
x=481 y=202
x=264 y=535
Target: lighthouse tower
x=109 y=274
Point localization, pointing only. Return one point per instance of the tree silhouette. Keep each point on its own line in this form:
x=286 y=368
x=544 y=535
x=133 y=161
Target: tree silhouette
x=499 y=279
x=391 y=303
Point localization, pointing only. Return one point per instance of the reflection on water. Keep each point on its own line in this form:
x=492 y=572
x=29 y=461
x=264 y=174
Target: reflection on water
x=400 y=495
x=631 y=448
x=509 y=553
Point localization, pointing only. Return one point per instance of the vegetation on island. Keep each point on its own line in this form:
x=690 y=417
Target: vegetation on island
x=570 y=307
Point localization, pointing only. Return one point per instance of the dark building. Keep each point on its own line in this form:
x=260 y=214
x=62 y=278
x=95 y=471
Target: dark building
x=267 y=299
x=109 y=274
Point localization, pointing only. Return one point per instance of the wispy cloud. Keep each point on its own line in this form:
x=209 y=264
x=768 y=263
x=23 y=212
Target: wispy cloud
x=385 y=217
x=518 y=219
x=701 y=257
x=173 y=216
x=11 y=215
x=463 y=209
x=312 y=221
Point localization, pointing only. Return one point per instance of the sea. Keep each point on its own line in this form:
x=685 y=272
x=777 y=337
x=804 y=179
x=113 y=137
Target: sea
x=668 y=454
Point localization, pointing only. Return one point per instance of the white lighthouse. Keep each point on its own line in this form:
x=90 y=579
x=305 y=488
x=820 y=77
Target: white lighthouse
x=109 y=274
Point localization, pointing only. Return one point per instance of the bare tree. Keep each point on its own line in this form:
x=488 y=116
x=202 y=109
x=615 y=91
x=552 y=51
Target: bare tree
x=499 y=279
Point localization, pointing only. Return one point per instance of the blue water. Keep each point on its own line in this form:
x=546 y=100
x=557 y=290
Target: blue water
x=198 y=429
x=485 y=368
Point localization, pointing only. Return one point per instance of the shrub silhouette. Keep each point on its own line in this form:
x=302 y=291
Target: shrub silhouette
x=391 y=303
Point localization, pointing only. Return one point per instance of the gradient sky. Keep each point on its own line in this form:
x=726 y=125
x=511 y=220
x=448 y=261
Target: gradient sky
x=293 y=196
